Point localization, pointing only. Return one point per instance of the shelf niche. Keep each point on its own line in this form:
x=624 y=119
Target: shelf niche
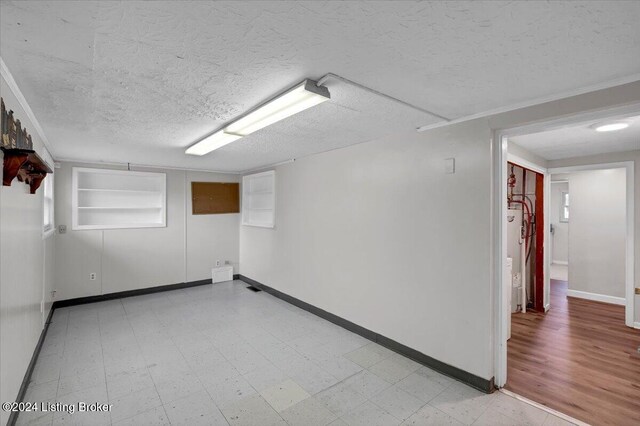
x=117 y=199
x=26 y=165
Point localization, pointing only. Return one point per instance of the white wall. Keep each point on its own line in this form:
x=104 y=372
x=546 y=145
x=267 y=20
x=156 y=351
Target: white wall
x=597 y=231
x=127 y=259
x=560 y=239
x=378 y=234
x=25 y=268
x=613 y=158
x=210 y=237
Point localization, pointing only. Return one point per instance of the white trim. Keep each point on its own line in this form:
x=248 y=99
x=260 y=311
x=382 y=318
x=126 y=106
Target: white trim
x=526 y=164
x=630 y=234
x=636 y=325
x=560 y=262
x=544 y=408
x=146 y=166
x=586 y=167
x=13 y=86
x=499 y=245
x=596 y=297
x=534 y=102
x=185 y=221
x=48 y=233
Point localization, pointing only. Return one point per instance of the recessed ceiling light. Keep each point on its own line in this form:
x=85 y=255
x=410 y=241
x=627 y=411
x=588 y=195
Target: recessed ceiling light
x=297 y=99
x=610 y=127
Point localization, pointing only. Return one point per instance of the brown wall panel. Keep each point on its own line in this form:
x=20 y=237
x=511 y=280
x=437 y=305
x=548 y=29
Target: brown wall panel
x=215 y=197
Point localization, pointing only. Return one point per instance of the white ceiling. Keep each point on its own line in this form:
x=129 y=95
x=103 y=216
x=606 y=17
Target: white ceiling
x=140 y=81
x=581 y=140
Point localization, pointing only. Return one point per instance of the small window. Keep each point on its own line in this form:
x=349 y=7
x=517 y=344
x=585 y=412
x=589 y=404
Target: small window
x=48 y=204
x=564 y=207
x=258 y=199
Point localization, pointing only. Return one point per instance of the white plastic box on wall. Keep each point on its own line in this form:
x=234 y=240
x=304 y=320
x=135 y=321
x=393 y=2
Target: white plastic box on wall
x=222 y=273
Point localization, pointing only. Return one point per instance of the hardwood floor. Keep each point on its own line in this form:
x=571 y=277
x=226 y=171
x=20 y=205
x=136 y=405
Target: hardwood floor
x=579 y=359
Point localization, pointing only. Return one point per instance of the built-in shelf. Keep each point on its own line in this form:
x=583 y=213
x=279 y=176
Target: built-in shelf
x=258 y=199
x=26 y=165
x=111 y=199
x=118 y=208
x=120 y=190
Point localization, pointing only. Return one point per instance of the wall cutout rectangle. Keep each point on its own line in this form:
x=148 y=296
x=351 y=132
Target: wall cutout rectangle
x=215 y=197
x=115 y=199
x=258 y=199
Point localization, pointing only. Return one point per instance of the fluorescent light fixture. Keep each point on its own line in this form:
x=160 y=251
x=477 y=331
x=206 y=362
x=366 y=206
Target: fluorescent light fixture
x=214 y=141
x=297 y=99
x=303 y=96
x=611 y=127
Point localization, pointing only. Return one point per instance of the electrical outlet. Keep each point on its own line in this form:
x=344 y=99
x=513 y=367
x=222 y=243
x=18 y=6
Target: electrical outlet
x=217 y=263
x=62 y=229
x=92 y=276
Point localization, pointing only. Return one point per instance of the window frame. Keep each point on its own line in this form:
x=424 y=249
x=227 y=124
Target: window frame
x=48 y=220
x=564 y=207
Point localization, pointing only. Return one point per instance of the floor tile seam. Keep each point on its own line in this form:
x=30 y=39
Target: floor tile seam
x=155 y=387
x=104 y=370
x=401 y=420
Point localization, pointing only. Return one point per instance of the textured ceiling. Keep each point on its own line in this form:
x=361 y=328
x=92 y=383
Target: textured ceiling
x=140 y=81
x=581 y=140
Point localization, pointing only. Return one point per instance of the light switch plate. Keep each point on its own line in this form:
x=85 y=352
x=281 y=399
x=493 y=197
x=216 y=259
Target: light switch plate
x=449 y=165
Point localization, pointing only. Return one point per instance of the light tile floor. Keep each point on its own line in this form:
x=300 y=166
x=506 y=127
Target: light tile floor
x=223 y=355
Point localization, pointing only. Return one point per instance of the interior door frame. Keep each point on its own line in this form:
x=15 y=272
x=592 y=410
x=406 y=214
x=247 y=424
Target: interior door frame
x=546 y=202
x=499 y=158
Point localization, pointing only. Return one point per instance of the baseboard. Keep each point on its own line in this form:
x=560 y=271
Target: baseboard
x=470 y=379
x=636 y=325
x=13 y=417
x=596 y=297
x=560 y=262
x=128 y=293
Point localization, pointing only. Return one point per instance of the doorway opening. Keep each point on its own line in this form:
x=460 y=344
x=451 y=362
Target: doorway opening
x=525 y=238
x=568 y=347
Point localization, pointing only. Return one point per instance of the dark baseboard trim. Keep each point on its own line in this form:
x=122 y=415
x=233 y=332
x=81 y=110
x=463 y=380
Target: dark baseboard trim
x=128 y=293
x=463 y=376
x=13 y=417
